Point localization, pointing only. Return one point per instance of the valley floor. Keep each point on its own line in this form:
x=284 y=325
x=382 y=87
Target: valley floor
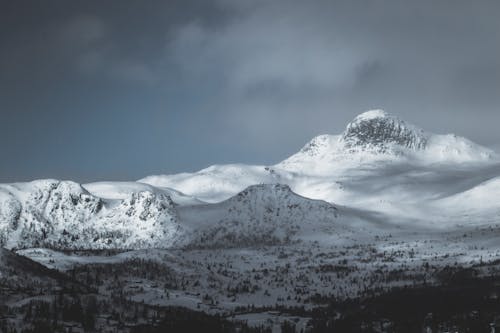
x=305 y=284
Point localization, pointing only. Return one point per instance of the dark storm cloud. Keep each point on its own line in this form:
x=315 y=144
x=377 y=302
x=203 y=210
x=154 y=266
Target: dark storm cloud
x=120 y=89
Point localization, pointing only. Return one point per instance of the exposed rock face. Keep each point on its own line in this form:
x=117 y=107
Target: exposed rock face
x=379 y=131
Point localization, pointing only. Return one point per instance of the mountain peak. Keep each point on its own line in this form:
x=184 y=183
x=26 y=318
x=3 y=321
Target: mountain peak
x=379 y=131
x=377 y=135
x=373 y=114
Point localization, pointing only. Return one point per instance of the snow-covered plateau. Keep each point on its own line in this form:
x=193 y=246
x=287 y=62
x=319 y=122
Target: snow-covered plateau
x=384 y=204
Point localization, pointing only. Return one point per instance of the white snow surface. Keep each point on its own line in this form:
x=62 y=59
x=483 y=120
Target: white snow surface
x=122 y=190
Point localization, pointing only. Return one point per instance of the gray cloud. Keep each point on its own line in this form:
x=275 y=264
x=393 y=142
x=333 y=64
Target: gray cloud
x=86 y=86
x=281 y=62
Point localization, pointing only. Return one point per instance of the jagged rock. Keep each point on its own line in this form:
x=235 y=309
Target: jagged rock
x=381 y=132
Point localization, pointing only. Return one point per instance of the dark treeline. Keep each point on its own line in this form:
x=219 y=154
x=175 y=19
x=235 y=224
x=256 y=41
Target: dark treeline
x=93 y=298
x=463 y=304
x=89 y=313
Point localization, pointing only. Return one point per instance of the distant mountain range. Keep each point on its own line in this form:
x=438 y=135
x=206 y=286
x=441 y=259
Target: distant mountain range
x=379 y=170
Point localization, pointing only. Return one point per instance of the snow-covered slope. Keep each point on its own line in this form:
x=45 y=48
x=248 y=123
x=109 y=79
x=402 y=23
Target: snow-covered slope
x=215 y=183
x=477 y=204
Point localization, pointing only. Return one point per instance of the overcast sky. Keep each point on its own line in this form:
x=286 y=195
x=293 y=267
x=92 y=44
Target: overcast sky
x=93 y=90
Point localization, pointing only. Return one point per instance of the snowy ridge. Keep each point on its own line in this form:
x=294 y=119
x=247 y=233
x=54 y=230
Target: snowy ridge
x=62 y=214
x=122 y=190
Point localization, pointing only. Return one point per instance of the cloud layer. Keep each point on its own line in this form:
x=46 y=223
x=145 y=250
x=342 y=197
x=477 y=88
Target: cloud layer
x=123 y=89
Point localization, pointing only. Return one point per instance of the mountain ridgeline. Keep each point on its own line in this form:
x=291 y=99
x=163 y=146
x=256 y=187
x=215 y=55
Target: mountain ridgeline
x=63 y=215
x=331 y=184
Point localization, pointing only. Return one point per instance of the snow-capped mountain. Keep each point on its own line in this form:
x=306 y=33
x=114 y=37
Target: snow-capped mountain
x=260 y=214
x=376 y=151
x=377 y=136
x=378 y=165
x=62 y=214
